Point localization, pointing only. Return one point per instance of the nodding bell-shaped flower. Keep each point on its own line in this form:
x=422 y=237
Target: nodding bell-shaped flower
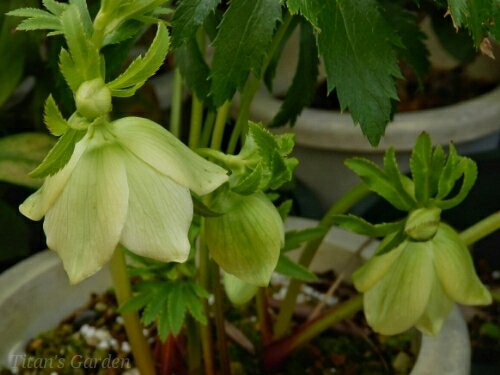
x=418 y=282
x=127 y=182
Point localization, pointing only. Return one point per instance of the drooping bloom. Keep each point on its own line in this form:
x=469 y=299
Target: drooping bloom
x=127 y=182
x=418 y=282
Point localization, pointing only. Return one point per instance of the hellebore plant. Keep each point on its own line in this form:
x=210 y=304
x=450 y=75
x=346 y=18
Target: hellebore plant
x=182 y=213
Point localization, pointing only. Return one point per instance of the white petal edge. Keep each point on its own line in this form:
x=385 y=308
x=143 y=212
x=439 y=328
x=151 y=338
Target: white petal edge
x=164 y=152
x=37 y=204
x=399 y=298
x=84 y=225
x=159 y=213
x=455 y=269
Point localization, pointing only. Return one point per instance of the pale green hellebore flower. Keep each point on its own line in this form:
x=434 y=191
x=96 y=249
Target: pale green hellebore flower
x=417 y=283
x=127 y=182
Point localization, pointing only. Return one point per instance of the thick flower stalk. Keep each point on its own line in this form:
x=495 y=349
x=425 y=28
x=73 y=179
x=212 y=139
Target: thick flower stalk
x=417 y=283
x=127 y=182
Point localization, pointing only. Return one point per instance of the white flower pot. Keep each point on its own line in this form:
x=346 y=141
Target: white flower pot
x=35 y=295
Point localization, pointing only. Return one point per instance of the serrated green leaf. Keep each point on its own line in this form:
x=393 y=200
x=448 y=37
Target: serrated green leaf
x=289 y=268
x=164 y=327
x=420 y=165
x=396 y=178
x=69 y=71
x=301 y=92
x=281 y=171
x=132 y=9
x=176 y=308
x=198 y=289
x=135 y=303
x=361 y=226
x=20 y=154
x=437 y=165
x=201 y=209
x=357 y=47
x=195 y=69
x=83 y=52
x=244 y=35
x=54 y=7
x=188 y=17
x=40 y=23
x=124 y=31
x=284 y=209
x=377 y=181
x=286 y=142
x=88 y=26
x=469 y=169
x=414 y=52
x=156 y=305
x=194 y=305
x=391 y=242
x=480 y=19
x=265 y=142
x=143 y=68
x=295 y=238
x=251 y=183
x=30 y=12
x=450 y=174
x=270 y=72
x=54 y=121
x=459 y=11
x=59 y=156
x=308 y=8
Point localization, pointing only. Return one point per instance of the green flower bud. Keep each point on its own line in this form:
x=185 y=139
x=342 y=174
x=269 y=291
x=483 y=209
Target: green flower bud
x=422 y=223
x=417 y=283
x=238 y=291
x=247 y=239
x=93 y=99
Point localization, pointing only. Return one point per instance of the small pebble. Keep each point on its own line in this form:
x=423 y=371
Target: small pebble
x=132 y=371
x=15 y=370
x=85 y=317
x=145 y=332
x=495 y=274
x=103 y=345
x=54 y=373
x=126 y=347
x=114 y=343
x=119 y=320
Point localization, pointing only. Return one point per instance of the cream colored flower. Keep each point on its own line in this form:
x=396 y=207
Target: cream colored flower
x=417 y=283
x=127 y=182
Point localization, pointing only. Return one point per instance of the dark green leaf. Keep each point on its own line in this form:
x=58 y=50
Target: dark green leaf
x=135 y=303
x=459 y=11
x=295 y=238
x=40 y=23
x=357 y=47
x=308 y=8
x=450 y=174
x=437 y=164
x=54 y=7
x=156 y=305
x=194 y=68
x=244 y=35
x=176 y=308
x=188 y=17
x=198 y=290
x=270 y=72
x=60 y=155
x=361 y=226
x=194 y=304
x=265 y=142
x=88 y=26
x=414 y=52
x=126 y=30
x=301 y=92
x=164 y=327
x=288 y=267
x=55 y=122
x=377 y=181
x=284 y=209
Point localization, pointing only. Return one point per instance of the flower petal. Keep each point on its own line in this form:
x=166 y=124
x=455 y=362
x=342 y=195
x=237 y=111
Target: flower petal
x=159 y=214
x=438 y=308
x=372 y=271
x=164 y=152
x=399 y=298
x=85 y=223
x=37 y=204
x=455 y=269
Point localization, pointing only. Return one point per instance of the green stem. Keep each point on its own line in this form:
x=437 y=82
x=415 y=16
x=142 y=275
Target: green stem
x=263 y=316
x=220 y=124
x=196 y=121
x=481 y=229
x=276 y=352
x=307 y=255
x=219 y=321
x=208 y=126
x=252 y=85
x=176 y=109
x=193 y=346
x=133 y=327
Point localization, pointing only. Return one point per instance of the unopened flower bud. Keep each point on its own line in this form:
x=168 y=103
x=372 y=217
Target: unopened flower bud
x=422 y=224
x=238 y=291
x=93 y=99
